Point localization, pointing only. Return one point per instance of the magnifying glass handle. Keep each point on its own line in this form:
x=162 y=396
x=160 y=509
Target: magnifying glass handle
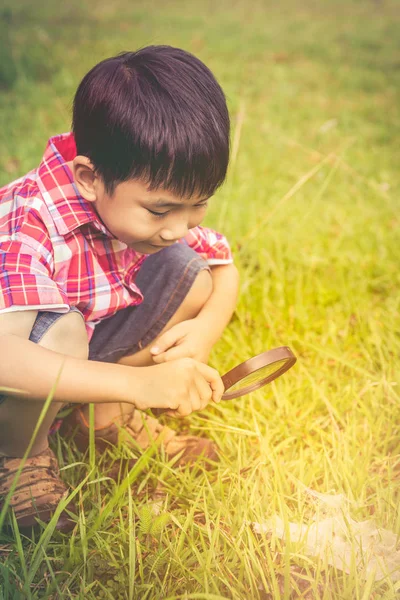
x=157 y=412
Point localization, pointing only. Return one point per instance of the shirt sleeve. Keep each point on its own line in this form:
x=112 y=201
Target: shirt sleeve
x=25 y=279
x=211 y=245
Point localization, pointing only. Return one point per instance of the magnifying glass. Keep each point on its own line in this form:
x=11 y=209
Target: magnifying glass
x=257 y=372
x=252 y=374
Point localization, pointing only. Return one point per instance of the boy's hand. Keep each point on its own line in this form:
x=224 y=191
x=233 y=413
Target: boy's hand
x=181 y=386
x=187 y=339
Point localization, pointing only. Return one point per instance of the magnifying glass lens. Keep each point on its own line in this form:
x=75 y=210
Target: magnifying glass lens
x=258 y=375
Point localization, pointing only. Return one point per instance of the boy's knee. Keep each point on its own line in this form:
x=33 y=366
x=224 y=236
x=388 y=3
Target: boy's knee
x=201 y=290
x=68 y=336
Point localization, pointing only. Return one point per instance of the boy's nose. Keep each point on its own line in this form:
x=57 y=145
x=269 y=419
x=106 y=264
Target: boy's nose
x=175 y=232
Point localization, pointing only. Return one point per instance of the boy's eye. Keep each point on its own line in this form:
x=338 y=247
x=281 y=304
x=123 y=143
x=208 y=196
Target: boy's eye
x=162 y=214
x=158 y=214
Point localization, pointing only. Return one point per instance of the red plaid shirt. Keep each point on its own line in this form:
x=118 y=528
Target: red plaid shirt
x=56 y=253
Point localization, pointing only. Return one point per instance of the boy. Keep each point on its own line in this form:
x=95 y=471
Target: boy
x=106 y=273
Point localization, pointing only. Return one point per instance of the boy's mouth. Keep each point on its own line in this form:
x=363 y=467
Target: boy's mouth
x=139 y=245
x=145 y=246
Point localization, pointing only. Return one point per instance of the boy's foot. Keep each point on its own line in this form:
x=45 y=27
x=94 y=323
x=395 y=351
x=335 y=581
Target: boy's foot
x=38 y=492
x=140 y=430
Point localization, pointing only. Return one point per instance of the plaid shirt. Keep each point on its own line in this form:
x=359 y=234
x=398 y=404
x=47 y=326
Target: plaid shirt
x=56 y=253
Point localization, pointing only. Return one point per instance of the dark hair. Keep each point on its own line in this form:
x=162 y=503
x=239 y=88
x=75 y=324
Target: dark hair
x=157 y=115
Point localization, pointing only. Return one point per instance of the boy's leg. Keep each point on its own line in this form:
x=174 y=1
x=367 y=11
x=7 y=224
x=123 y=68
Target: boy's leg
x=196 y=298
x=39 y=488
x=18 y=417
x=176 y=283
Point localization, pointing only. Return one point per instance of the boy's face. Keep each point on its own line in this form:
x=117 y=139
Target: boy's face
x=146 y=221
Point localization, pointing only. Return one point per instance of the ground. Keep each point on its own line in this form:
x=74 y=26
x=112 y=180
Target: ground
x=310 y=210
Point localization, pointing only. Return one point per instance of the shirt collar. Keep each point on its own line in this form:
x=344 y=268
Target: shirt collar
x=67 y=207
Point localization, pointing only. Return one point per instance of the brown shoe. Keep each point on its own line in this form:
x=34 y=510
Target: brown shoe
x=38 y=492
x=140 y=429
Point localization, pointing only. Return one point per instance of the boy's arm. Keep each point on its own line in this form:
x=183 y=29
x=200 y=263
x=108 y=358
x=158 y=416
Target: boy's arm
x=215 y=249
x=218 y=310
x=33 y=370
x=195 y=337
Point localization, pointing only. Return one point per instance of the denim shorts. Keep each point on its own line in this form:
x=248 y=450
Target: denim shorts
x=164 y=279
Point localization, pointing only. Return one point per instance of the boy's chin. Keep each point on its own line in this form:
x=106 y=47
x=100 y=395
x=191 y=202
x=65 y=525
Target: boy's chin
x=144 y=247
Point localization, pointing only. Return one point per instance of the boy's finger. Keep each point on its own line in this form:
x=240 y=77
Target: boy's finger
x=204 y=391
x=158 y=358
x=213 y=377
x=173 y=354
x=172 y=413
x=164 y=342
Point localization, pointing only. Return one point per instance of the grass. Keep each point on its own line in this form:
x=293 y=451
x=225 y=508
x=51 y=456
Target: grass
x=310 y=209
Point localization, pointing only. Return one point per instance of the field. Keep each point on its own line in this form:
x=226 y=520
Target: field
x=310 y=210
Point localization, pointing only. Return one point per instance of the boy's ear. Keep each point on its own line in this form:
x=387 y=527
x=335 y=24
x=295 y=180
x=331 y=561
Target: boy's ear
x=85 y=177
